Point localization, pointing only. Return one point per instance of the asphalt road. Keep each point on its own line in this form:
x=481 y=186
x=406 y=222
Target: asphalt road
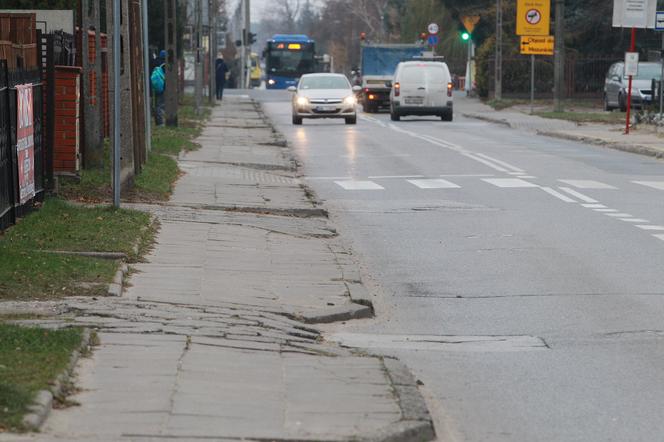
x=520 y=277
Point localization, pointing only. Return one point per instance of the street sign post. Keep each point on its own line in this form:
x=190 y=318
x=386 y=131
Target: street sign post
x=533 y=17
x=537 y=45
x=433 y=28
x=433 y=40
x=659 y=26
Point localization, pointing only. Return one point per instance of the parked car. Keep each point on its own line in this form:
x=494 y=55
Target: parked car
x=324 y=96
x=616 y=85
x=422 y=88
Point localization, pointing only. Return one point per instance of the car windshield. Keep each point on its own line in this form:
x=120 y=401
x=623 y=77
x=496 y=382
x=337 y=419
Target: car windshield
x=324 y=82
x=649 y=71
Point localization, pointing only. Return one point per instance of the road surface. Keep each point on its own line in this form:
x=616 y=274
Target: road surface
x=520 y=277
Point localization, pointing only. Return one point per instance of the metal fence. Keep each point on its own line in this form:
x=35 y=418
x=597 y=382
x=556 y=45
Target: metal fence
x=584 y=77
x=10 y=207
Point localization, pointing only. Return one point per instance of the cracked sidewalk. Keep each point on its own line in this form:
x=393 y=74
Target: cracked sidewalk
x=209 y=340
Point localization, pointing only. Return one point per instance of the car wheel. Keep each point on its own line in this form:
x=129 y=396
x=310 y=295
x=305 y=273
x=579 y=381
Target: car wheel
x=622 y=103
x=447 y=116
x=607 y=106
x=351 y=120
x=394 y=116
x=297 y=120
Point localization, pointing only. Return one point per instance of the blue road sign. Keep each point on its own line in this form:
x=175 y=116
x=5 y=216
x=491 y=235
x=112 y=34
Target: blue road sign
x=433 y=40
x=659 y=21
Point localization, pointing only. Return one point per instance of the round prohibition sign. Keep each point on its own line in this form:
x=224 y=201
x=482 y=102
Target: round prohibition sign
x=533 y=16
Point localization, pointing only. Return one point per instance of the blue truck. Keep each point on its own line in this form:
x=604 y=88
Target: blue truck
x=379 y=61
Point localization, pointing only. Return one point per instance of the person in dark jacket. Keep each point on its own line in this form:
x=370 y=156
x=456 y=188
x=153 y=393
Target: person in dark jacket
x=221 y=70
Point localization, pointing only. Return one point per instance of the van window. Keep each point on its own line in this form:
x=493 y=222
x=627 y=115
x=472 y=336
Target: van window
x=423 y=75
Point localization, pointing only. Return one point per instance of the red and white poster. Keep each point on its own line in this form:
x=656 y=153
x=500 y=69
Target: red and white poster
x=25 y=143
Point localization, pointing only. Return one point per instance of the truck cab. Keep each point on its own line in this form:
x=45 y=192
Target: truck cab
x=379 y=61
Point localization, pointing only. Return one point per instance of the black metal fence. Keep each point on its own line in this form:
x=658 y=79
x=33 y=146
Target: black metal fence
x=584 y=77
x=10 y=207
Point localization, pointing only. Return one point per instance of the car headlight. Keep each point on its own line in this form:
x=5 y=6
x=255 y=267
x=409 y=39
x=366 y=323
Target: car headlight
x=302 y=101
x=271 y=82
x=351 y=100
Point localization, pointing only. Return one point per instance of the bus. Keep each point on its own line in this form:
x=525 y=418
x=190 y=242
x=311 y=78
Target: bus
x=287 y=58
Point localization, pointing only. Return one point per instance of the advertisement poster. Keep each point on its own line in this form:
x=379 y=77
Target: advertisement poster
x=25 y=143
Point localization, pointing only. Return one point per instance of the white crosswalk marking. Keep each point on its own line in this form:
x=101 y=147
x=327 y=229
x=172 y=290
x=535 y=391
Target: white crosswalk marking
x=659 y=236
x=558 y=195
x=594 y=206
x=659 y=185
x=434 y=184
x=587 y=184
x=359 y=185
x=634 y=220
x=509 y=182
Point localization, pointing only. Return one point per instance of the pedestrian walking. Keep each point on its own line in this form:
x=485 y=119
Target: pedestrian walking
x=221 y=70
x=158 y=83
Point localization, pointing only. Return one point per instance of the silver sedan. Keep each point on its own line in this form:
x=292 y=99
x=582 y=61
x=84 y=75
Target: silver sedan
x=324 y=96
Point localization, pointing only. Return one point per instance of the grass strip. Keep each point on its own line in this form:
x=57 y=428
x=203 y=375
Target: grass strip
x=30 y=358
x=28 y=269
x=585 y=117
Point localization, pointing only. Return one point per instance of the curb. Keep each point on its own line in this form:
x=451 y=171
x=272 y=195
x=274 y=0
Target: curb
x=416 y=424
x=43 y=403
x=631 y=148
x=115 y=288
x=488 y=119
x=334 y=314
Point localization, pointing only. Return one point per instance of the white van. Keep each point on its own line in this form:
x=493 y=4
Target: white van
x=422 y=88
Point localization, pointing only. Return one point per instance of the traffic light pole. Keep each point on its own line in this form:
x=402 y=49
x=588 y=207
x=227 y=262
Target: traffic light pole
x=559 y=59
x=498 y=85
x=247 y=45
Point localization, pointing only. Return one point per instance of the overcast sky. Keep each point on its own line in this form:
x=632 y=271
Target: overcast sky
x=258 y=7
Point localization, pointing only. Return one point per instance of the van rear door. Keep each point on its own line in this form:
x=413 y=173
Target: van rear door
x=412 y=79
x=436 y=79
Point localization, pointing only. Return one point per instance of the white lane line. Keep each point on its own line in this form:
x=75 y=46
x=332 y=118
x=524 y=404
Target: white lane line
x=331 y=178
x=587 y=184
x=434 y=184
x=606 y=210
x=619 y=215
x=527 y=177
x=512 y=183
x=501 y=163
x=387 y=177
x=469 y=175
x=659 y=236
x=515 y=173
x=659 y=185
x=483 y=161
x=558 y=195
x=359 y=185
x=649 y=227
x=634 y=220
x=594 y=206
x=579 y=195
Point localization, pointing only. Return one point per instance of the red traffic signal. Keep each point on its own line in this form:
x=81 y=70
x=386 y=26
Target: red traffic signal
x=423 y=36
x=363 y=36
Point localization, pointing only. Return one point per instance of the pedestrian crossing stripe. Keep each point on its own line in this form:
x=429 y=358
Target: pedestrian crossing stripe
x=434 y=184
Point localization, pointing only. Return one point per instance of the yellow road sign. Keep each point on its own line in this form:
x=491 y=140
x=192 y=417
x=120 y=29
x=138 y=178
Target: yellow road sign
x=469 y=22
x=537 y=45
x=533 y=17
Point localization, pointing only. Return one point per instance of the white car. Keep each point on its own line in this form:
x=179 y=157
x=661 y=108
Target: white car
x=324 y=96
x=422 y=88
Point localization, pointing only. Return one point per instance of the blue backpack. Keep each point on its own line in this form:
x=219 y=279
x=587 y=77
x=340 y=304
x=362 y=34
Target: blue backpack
x=158 y=80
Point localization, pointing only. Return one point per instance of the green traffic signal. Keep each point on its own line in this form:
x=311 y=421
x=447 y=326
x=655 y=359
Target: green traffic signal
x=465 y=36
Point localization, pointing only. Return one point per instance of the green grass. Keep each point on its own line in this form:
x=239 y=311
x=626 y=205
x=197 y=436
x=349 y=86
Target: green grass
x=157 y=178
x=30 y=358
x=585 y=117
x=29 y=271
x=505 y=103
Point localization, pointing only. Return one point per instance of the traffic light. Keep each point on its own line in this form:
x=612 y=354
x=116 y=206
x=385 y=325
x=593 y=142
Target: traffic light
x=423 y=36
x=363 y=36
x=252 y=38
x=465 y=36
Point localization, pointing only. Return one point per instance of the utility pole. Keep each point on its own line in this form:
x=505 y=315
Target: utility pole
x=146 y=74
x=559 y=58
x=198 y=65
x=213 y=10
x=498 y=85
x=116 y=102
x=172 y=67
x=247 y=46
x=243 y=39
